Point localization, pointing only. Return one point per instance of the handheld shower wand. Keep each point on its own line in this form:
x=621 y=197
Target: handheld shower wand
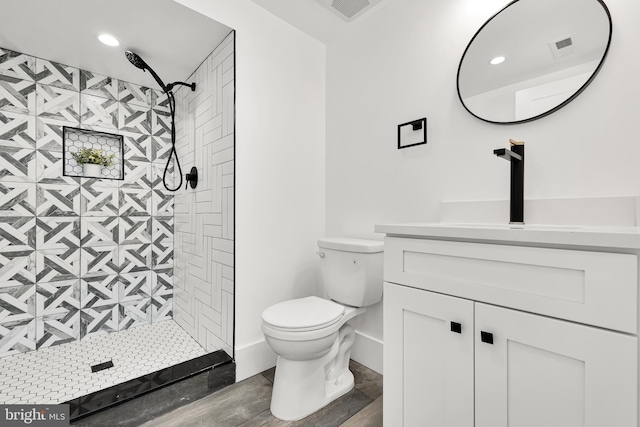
x=139 y=63
x=168 y=89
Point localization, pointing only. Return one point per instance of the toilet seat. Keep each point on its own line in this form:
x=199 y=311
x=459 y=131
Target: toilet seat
x=324 y=329
x=303 y=314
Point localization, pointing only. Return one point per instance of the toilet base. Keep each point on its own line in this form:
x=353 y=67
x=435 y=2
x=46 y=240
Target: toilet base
x=334 y=390
x=292 y=408
x=300 y=388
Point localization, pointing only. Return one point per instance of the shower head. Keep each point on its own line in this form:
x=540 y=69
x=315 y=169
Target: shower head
x=138 y=62
x=135 y=59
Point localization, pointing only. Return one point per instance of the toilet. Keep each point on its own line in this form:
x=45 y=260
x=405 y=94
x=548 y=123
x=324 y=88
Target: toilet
x=312 y=336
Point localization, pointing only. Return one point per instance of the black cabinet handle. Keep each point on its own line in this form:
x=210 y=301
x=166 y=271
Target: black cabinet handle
x=456 y=327
x=486 y=337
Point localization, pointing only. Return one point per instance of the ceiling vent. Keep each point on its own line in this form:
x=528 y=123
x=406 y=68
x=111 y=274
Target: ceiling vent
x=349 y=9
x=562 y=47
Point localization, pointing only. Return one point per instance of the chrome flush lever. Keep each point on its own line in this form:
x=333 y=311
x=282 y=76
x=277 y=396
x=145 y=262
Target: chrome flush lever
x=320 y=254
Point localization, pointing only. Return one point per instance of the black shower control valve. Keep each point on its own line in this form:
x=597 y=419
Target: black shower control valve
x=456 y=327
x=191 y=178
x=486 y=337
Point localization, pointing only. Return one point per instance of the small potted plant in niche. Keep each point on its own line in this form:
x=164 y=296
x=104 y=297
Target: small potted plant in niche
x=93 y=160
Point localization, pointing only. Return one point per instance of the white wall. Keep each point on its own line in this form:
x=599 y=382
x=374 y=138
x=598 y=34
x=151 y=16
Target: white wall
x=280 y=167
x=400 y=64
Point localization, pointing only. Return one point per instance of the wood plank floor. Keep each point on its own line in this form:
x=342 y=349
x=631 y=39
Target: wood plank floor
x=247 y=403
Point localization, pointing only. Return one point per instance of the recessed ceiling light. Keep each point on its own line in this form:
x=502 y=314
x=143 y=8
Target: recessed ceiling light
x=497 y=60
x=108 y=39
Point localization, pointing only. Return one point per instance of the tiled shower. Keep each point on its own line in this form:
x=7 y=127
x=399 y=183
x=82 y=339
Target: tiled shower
x=81 y=258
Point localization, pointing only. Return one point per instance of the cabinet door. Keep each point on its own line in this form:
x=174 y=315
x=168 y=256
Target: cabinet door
x=541 y=371
x=428 y=368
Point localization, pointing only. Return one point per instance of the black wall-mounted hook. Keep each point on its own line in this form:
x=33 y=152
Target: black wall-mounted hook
x=192 y=178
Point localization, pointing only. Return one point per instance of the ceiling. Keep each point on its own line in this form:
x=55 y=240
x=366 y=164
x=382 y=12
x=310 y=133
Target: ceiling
x=306 y=15
x=171 y=38
x=312 y=18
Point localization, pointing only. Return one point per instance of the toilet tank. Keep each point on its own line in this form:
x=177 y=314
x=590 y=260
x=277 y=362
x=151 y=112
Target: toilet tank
x=351 y=270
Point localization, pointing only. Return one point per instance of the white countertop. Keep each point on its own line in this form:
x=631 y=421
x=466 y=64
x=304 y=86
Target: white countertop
x=610 y=237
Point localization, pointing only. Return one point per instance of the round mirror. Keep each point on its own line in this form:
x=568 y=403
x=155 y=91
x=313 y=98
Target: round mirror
x=532 y=58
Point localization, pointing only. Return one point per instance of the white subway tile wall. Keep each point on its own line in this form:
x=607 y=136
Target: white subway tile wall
x=204 y=217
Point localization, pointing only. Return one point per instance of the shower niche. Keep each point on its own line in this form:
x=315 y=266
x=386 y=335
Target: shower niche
x=111 y=145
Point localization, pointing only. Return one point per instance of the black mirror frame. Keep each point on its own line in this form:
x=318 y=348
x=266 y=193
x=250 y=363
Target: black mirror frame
x=559 y=106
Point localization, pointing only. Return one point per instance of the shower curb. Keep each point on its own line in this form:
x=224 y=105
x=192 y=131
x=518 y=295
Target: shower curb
x=92 y=403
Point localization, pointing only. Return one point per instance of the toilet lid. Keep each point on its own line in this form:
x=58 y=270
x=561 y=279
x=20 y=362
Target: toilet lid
x=303 y=313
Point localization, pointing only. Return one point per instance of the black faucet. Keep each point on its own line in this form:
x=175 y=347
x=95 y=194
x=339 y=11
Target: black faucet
x=516 y=157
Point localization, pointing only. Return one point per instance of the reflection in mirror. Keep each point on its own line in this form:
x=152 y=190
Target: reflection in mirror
x=532 y=58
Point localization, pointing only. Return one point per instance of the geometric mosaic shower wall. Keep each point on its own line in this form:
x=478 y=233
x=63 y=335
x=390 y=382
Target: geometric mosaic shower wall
x=79 y=256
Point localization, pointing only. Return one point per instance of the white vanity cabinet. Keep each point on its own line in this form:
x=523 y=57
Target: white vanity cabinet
x=428 y=370
x=508 y=333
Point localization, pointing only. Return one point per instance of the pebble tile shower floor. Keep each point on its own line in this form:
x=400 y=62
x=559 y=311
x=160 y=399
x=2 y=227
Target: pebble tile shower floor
x=61 y=373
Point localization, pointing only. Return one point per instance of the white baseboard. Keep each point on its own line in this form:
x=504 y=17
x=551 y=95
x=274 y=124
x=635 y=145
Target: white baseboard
x=258 y=356
x=253 y=359
x=367 y=351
